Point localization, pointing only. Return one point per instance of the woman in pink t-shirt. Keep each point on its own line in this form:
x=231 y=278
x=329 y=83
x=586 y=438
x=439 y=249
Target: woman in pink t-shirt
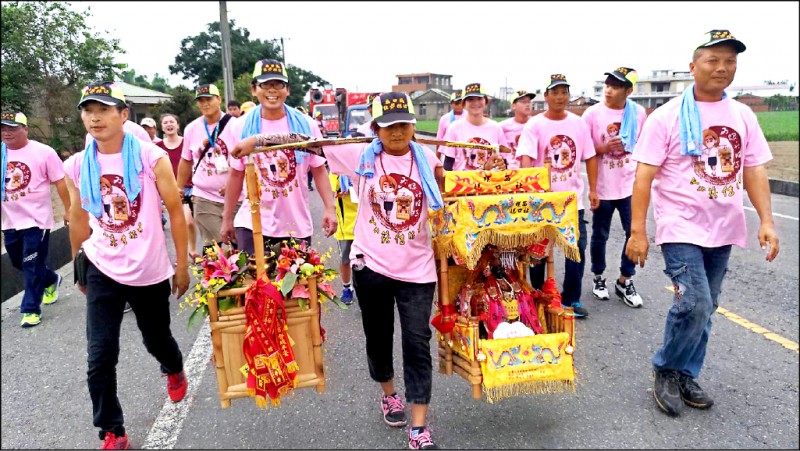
x=391 y=255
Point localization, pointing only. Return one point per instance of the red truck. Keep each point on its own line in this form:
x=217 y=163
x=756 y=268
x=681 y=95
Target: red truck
x=334 y=105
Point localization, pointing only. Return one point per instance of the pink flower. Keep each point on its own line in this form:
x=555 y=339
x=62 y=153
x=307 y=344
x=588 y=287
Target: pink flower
x=300 y=291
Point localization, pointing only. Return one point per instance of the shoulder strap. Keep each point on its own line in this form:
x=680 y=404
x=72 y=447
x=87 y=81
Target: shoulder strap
x=222 y=123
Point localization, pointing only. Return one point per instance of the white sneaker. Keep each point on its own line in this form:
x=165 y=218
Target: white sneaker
x=628 y=294
x=599 y=290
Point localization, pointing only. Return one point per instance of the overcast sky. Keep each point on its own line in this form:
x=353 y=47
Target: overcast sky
x=364 y=46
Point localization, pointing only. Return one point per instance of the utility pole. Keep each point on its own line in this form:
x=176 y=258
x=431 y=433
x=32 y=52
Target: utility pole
x=283 y=52
x=227 y=70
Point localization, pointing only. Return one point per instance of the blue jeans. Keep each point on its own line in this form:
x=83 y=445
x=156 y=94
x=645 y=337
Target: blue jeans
x=27 y=250
x=573 y=271
x=696 y=273
x=377 y=295
x=601 y=224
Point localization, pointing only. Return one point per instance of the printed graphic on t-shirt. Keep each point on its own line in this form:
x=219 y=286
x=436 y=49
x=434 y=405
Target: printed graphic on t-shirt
x=514 y=143
x=616 y=158
x=397 y=205
x=278 y=169
x=718 y=170
x=561 y=153
x=119 y=218
x=17 y=179
x=476 y=158
x=215 y=158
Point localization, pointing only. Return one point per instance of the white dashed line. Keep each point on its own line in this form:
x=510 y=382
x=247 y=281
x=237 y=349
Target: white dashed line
x=168 y=424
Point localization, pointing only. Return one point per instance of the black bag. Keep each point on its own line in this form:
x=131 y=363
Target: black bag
x=80 y=266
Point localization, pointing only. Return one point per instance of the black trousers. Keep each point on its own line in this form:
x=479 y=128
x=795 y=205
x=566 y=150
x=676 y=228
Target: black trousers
x=377 y=295
x=105 y=302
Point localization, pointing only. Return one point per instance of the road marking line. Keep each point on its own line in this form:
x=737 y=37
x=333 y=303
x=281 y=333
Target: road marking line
x=168 y=424
x=775 y=214
x=753 y=327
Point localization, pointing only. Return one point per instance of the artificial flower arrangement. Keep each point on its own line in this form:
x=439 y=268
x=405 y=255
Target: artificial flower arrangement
x=219 y=268
x=291 y=261
x=287 y=263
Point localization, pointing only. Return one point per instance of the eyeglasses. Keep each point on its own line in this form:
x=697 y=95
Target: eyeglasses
x=272 y=84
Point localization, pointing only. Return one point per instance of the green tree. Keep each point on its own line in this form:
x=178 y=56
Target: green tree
x=48 y=55
x=200 y=59
x=182 y=104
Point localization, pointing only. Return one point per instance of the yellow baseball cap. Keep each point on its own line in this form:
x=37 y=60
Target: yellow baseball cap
x=15 y=119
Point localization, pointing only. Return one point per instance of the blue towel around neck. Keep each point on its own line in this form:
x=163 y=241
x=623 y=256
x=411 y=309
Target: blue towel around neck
x=344 y=183
x=91 y=198
x=452 y=116
x=297 y=124
x=366 y=168
x=630 y=125
x=5 y=171
x=691 y=126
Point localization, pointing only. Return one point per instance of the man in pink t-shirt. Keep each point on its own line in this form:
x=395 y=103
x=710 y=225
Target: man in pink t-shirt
x=29 y=168
x=512 y=127
x=206 y=161
x=616 y=168
x=120 y=252
x=284 y=192
x=559 y=140
x=699 y=212
x=456 y=112
x=476 y=128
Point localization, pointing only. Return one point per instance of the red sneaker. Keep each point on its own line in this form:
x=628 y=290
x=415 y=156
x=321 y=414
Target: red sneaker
x=114 y=442
x=176 y=386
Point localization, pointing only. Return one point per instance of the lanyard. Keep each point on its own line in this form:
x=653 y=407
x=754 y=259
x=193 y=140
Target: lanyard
x=211 y=142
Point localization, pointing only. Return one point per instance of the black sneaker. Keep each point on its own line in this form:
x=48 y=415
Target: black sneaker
x=599 y=288
x=667 y=391
x=577 y=309
x=394 y=413
x=693 y=395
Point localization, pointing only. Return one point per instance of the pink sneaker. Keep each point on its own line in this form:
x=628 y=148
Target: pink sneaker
x=394 y=413
x=420 y=440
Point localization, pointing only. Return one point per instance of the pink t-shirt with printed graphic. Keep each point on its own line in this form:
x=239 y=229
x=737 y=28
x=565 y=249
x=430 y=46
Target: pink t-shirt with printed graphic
x=282 y=181
x=444 y=122
x=700 y=200
x=127 y=242
x=564 y=143
x=461 y=130
x=391 y=229
x=129 y=127
x=615 y=170
x=212 y=174
x=28 y=174
x=512 y=130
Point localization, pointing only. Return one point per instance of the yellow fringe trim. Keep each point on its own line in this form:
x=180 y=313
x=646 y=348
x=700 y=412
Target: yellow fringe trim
x=509 y=241
x=261 y=402
x=292 y=366
x=527 y=388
